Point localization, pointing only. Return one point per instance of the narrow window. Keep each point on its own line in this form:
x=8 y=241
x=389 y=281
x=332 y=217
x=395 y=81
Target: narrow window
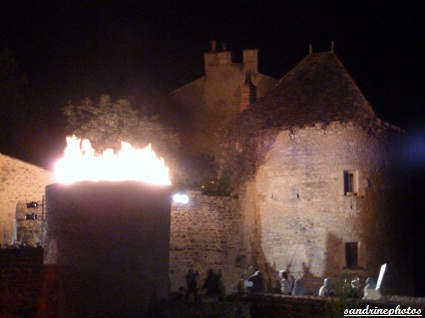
x=350 y=182
x=352 y=254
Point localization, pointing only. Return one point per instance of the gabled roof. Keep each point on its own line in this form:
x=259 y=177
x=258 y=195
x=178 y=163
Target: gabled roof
x=317 y=90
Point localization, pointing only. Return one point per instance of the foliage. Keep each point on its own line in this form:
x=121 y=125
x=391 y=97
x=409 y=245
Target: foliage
x=346 y=298
x=217 y=187
x=203 y=171
x=109 y=122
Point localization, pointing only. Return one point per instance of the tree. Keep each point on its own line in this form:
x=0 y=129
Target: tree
x=109 y=122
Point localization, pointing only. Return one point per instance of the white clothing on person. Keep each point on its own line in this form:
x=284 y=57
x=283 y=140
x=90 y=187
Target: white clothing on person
x=327 y=289
x=285 y=287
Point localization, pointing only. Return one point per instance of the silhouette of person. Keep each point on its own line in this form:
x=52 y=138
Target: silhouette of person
x=212 y=284
x=191 y=284
x=258 y=285
x=242 y=288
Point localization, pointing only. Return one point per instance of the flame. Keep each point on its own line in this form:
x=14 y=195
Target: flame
x=80 y=163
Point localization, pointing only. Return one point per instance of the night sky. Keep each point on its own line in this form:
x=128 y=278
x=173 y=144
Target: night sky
x=141 y=49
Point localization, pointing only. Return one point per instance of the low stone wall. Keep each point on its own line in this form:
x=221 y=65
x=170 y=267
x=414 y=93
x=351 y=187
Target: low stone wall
x=287 y=306
x=206 y=234
x=281 y=306
x=20 y=281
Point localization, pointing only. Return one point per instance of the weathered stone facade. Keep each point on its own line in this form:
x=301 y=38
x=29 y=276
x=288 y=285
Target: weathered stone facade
x=327 y=180
x=305 y=217
x=20 y=184
x=207 y=234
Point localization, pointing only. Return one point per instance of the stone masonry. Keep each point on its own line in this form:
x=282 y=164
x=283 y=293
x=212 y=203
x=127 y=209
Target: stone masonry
x=305 y=217
x=206 y=234
x=20 y=184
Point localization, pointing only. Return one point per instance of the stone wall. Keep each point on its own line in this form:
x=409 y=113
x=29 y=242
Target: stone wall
x=28 y=223
x=20 y=281
x=206 y=234
x=20 y=183
x=317 y=307
x=305 y=217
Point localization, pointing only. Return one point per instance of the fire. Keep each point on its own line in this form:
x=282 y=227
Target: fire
x=80 y=163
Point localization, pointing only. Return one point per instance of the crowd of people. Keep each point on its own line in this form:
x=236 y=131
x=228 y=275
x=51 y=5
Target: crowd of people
x=286 y=284
x=212 y=286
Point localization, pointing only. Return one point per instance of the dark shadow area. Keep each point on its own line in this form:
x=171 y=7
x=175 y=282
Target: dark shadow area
x=418 y=198
x=415 y=149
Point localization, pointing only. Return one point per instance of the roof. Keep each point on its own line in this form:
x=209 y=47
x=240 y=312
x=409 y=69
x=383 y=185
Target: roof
x=317 y=90
x=198 y=109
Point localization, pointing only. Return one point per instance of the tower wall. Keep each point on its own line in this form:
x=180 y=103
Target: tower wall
x=305 y=217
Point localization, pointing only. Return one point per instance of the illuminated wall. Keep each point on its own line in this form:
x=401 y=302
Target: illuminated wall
x=21 y=183
x=305 y=215
x=207 y=233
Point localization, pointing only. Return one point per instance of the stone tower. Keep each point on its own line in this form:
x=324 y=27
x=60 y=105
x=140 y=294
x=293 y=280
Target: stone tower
x=321 y=181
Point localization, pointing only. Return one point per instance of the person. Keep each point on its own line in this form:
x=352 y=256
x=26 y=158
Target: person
x=355 y=288
x=327 y=289
x=370 y=291
x=212 y=284
x=298 y=290
x=285 y=284
x=258 y=285
x=291 y=279
x=191 y=284
x=242 y=288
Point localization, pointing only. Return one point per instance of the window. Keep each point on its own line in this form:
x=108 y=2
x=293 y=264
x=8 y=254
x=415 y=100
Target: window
x=352 y=254
x=350 y=182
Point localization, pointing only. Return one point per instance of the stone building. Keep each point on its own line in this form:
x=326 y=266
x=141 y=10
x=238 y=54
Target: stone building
x=323 y=187
x=199 y=109
x=318 y=181
x=21 y=200
x=319 y=178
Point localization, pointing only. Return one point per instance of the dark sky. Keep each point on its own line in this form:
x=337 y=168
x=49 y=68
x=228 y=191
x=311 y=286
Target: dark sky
x=140 y=49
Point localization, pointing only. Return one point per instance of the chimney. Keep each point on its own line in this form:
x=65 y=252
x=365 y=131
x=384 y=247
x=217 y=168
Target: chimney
x=250 y=60
x=210 y=58
x=248 y=92
x=215 y=58
x=213 y=46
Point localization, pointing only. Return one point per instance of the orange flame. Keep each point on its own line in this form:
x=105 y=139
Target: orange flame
x=80 y=163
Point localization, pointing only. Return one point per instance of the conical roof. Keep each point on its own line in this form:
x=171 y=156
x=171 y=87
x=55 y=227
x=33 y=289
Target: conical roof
x=317 y=90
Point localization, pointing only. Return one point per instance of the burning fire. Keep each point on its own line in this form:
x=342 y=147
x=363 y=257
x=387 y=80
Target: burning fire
x=81 y=163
